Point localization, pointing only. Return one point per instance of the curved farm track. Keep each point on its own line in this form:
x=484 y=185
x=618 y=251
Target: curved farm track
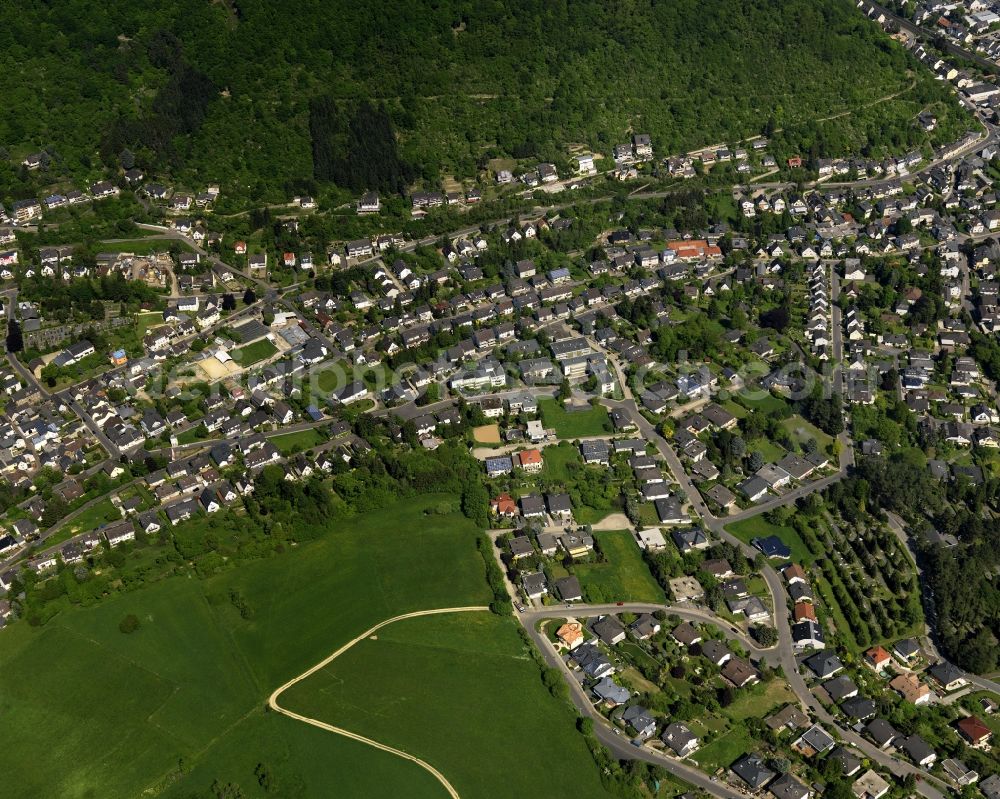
x=273 y=699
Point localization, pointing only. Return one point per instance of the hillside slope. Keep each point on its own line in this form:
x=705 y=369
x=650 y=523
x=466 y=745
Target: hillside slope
x=247 y=92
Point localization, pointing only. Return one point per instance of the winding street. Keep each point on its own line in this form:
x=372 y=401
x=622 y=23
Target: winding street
x=614 y=741
x=782 y=654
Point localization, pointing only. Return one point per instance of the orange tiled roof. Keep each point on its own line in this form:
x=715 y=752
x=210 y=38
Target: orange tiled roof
x=570 y=632
x=530 y=456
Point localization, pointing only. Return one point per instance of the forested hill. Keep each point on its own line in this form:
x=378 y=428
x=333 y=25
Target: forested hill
x=246 y=92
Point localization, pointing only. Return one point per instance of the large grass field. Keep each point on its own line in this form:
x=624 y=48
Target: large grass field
x=592 y=421
x=179 y=703
x=756 y=526
x=623 y=577
x=254 y=353
x=456 y=690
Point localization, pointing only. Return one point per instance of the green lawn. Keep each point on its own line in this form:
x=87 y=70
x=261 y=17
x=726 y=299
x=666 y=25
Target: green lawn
x=190 y=435
x=299 y=441
x=584 y=514
x=723 y=206
x=455 y=690
x=769 y=451
x=800 y=430
x=648 y=515
x=721 y=752
x=833 y=608
x=90 y=519
x=592 y=421
x=638 y=655
x=334 y=376
x=143 y=246
x=758 y=702
x=145 y=321
x=756 y=526
x=120 y=712
x=623 y=577
x=556 y=459
x=254 y=353
x=768 y=402
x=734 y=408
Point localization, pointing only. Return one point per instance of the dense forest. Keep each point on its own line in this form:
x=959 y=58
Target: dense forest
x=258 y=95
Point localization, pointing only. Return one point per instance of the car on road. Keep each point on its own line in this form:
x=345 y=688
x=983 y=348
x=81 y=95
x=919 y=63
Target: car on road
x=620 y=604
x=519 y=606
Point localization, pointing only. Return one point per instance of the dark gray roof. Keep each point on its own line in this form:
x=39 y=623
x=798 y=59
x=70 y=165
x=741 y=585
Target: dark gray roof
x=787 y=787
x=532 y=504
x=849 y=762
x=944 y=672
x=916 y=747
x=677 y=736
x=568 y=588
x=858 y=707
x=559 y=503
x=840 y=687
x=751 y=769
x=608 y=628
x=881 y=732
x=824 y=664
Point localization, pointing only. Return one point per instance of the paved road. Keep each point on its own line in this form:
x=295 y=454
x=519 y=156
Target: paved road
x=686 y=612
x=923 y=33
x=776 y=587
x=45 y=534
x=617 y=743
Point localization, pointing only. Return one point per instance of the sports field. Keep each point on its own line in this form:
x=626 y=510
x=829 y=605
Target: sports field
x=254 y=353
x=487 y=434
x=179 y=703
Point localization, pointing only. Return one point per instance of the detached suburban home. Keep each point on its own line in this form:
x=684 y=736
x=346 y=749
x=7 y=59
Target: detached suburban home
x=974 y=730
x=609 y=630
x=679 y=738
x=610 y=693
x=911 y=689
x=639 y=720
x=918 y=750
x=740 y=673
x=535 y=585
